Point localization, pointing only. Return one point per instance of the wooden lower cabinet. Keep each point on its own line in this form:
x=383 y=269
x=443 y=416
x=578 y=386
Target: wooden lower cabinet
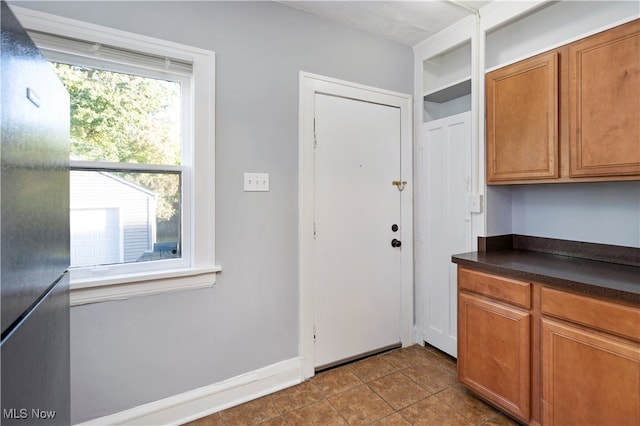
x=588 y=378
x=548 y=356
x=494 y=353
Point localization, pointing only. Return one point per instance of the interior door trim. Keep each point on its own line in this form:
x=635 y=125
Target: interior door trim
x=309 y=85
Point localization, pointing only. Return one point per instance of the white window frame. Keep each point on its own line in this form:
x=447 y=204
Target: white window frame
x=198 y=269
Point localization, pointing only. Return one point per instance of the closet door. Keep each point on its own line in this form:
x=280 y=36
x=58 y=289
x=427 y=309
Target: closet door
x=445 y=223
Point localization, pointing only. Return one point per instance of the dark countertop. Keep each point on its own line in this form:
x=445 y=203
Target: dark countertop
x=526 y=260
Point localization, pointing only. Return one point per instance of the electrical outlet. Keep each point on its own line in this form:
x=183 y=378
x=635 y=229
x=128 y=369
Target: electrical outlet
x=256 y=182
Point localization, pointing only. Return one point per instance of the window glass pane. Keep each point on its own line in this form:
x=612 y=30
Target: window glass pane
x=122 y=117
x=124 y=217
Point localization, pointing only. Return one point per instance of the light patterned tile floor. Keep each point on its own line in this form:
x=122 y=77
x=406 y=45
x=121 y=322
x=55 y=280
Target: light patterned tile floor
x=410 y=386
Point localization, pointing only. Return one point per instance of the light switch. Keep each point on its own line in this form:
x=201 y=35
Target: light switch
x=256 y=182
x=475 y=203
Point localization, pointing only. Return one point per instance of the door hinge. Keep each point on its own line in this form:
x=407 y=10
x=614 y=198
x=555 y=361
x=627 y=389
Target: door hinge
x=314 y=332
x=315 y=136
x=315 y=232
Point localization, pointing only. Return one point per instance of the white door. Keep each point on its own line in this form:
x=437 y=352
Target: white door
x=357 y=270
x=445 y=223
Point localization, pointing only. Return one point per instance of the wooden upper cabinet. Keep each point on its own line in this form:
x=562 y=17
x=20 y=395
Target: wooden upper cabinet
x=604 y=93
x=522 y=120
x=568 y=115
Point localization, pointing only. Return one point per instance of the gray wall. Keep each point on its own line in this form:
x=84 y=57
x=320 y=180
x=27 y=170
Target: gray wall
x=604 y=212
x=553 y=23
x=131 y=352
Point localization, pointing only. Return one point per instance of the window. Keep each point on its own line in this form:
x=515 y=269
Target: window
x=142 y=147
x=126 y=165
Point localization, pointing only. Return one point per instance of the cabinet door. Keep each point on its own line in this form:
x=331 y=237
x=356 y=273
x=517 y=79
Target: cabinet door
x=588 y=378
x=494 y=357
x=604 y=93
x=522 y=120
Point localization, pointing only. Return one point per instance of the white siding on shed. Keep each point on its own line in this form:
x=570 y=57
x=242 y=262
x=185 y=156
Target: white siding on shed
x=96 y=236
x=104 y=191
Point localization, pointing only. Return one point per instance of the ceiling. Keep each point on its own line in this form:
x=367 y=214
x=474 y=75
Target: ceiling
x=406 y=22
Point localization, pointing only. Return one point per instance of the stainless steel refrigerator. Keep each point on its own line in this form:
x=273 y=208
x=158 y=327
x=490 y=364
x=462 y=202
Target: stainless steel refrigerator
x=34 y=221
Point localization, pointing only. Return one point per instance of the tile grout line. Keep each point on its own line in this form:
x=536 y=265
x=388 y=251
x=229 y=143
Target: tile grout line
x=405 y=359
x=338 y=411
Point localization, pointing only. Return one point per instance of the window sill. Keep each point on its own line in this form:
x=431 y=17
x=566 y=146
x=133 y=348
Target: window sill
x=118 y=287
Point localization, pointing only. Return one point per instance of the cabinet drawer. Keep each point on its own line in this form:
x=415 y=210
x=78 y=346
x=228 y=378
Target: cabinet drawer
x=602 y=315
x=495 y=287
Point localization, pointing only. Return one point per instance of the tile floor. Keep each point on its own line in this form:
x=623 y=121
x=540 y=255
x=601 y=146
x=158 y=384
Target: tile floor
x=410 y=386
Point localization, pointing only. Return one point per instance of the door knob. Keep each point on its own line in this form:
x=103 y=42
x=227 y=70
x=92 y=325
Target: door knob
x=396 y=243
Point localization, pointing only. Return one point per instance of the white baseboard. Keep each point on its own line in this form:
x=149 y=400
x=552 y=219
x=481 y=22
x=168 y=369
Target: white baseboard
x=200 y=402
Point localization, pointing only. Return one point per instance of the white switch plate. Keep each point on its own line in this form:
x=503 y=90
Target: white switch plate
x=475 y=203
x=256 y=182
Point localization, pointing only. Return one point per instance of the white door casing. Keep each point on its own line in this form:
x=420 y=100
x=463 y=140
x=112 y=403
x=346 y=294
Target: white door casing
x=312 y=86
